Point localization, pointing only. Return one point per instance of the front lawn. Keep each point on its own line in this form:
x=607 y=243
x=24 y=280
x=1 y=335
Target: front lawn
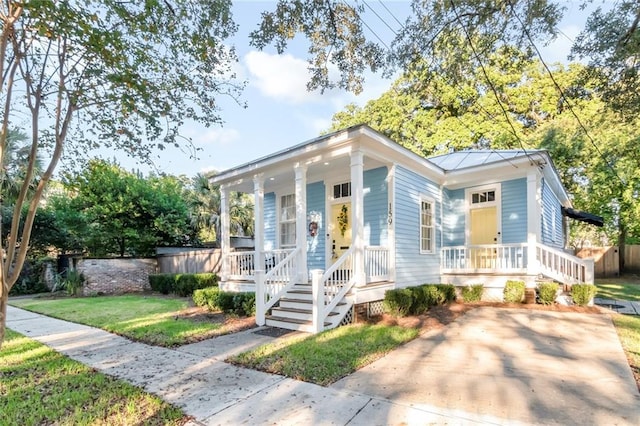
x=628 y=328
x=327 y=357
x=41 y=387
x=618 y=289
x=162 y=321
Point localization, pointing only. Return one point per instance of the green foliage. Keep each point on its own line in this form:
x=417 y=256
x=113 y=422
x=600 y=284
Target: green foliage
x=547 y=292
x=31 y=280
x=582 y=294
x=472 y=293
x=73 y=282
x=203 y=297
x=398 y=302
x=242 y=304
x=514 y=291
x=122 y=213
x=417 y=300
x=182 y=285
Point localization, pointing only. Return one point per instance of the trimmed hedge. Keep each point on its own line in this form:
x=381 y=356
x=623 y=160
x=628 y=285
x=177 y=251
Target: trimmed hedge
x=417 y=300
x=472 y=293
x=514 y=291
x=582 y=294
x=182 y=285
x=242 y=304
x=547 y=293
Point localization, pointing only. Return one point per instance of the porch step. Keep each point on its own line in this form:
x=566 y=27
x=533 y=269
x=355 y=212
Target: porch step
x=295 y=313
x=291 y=323
x=296 y=303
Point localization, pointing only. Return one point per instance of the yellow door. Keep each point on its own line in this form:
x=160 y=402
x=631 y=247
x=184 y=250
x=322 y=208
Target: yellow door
x=339 y=231
x=483 y=230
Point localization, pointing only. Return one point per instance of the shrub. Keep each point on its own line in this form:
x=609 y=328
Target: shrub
x=448 y=292
x=182 y=285
x=244 y=304
x=398 y=302
x=514 y=291
x=74 y=282
x=31 y=279
x=582 y=294
x=547 y=293
x=204 y=296
x=223 y=301
x=472 y=293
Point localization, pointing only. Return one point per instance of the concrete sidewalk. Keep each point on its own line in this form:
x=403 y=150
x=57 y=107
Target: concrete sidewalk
x=405 y=387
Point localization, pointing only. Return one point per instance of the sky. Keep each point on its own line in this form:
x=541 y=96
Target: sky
x=280 y=112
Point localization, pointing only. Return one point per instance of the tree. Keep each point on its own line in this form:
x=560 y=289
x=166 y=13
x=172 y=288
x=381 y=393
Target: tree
x=437 y=31
x=122 y=74
x=205 y=210
x=127 y=214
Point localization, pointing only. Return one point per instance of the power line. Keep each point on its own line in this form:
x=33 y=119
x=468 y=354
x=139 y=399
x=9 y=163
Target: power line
x=562 y=94
x=379 y=17
x=390 y=13
x=489 y=82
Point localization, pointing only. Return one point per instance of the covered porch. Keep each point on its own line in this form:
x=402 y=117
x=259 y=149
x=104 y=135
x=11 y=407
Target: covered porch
x=320 y=230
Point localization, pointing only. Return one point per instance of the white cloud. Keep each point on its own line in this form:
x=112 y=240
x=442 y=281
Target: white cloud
x=218 y=136
x=281 y=77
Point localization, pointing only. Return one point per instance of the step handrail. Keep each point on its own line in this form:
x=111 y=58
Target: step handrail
x=289 y=263
x=564 y=267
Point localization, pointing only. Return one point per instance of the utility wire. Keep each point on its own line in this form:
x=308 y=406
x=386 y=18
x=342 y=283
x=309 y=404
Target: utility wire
x=390 y=13
x=379 y=17
x=562 y=94
x=489 y=82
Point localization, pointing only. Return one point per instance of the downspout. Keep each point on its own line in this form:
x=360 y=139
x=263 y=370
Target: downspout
x=441 y=227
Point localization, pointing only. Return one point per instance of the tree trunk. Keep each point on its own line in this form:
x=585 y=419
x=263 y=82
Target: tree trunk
x=4 y=299
x=622 y=237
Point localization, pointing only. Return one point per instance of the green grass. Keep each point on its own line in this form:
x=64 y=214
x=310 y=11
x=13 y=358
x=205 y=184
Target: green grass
x=628 y=328
x=39 y=386
x=148 y=319
x=618 y=289
x=326 y=357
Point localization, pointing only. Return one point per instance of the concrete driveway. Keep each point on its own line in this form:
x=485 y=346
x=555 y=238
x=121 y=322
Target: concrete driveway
x=510 y=366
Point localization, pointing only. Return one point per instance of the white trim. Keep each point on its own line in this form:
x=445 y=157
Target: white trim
x=391 y=191
x=497 y=203
x=430 y=200
x=534 y=218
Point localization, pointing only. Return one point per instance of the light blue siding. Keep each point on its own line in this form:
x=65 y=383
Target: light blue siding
x=514 y=211
x=376 y=207
x=454 y=220
x=551 y=218
x=270 y=221
x=316 y=212
x=412 y=267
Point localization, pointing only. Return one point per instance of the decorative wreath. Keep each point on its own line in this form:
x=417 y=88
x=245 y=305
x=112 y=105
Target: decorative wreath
x=343 y=219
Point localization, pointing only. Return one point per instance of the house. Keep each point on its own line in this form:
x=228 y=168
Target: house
x=344 y=217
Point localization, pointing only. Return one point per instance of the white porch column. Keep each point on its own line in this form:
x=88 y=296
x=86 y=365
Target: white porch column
x=225 y=232
x=357 y=216
x=534 y=212
x=301 y=221
x=258 y=212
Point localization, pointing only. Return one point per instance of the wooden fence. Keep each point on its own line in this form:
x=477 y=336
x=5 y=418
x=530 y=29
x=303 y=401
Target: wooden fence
x=189 y=261
x=607 y=259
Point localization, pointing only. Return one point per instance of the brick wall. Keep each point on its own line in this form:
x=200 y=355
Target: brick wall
x=113 y=276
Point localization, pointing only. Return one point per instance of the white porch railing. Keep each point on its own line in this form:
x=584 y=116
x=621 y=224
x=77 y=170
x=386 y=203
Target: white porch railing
x=331 y=287
x=274 y=284
x=376 y=263
x=564 y=267
x=484 y=258
x=242 y=263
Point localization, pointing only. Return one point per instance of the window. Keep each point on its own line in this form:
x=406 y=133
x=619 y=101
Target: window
x=342 y=190
x=287 y=220
x=426 y=227
x=483 y=197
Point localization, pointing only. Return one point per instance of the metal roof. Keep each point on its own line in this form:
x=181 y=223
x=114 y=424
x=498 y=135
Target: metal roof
x=471 y=158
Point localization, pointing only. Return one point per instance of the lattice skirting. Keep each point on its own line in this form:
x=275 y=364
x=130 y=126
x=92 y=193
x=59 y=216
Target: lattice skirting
x=375 y=309
x=349 y=317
